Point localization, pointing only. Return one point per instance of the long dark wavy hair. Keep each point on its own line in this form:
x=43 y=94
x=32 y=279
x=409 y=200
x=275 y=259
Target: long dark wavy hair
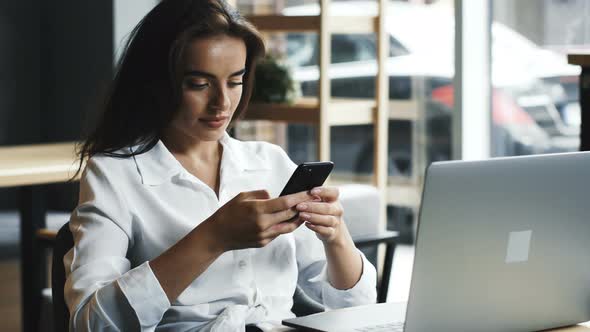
x=146 y=91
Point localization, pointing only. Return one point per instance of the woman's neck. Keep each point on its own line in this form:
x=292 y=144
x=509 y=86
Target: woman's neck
x=200 y=158
x=192 y=148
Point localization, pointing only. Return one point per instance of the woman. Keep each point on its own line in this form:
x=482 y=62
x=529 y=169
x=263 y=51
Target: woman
x=176 y=229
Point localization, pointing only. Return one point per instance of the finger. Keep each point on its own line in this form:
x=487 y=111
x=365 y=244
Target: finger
x=282 y=228
x=333 y=209
x=255 y=194
x=327 y=194
x=326 y=232
x=287 y=201
x=319 y=219
x=271 y=219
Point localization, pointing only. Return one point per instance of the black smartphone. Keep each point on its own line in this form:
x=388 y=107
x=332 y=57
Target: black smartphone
x=308 y=176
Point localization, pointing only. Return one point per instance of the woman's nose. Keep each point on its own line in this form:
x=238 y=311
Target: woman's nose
x=220 y=100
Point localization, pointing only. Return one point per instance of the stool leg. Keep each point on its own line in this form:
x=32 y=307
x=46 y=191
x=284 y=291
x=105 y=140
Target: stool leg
x=33 y=264
x=384 y=287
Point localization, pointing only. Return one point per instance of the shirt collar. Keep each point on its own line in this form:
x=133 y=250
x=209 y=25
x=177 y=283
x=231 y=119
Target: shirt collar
x=158 y=165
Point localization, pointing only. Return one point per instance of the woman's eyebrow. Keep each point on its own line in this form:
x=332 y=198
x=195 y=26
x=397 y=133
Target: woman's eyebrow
x=209 y=75
x=238 y=73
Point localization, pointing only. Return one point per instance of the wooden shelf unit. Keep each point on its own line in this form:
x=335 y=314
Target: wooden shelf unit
x=336 y=24
x=326 y=111
x=343 y=111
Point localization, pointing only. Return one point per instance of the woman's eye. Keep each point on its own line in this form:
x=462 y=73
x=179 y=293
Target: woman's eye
x=236 y=83
x=197 y=86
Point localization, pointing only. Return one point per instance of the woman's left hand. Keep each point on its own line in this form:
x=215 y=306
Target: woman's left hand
x=324 y=215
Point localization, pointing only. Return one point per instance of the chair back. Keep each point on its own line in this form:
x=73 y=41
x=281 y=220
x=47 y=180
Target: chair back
x=64 y=241
x=304 y=305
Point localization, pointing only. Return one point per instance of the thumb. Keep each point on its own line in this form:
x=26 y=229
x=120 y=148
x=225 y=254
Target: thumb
x=255 y=194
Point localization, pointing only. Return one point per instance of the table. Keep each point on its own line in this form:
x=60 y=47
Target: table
x=583 y=59
x=30 y=167
x=584 y=327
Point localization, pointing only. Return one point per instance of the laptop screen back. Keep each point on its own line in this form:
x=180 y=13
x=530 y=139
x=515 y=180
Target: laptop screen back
x=503 y=245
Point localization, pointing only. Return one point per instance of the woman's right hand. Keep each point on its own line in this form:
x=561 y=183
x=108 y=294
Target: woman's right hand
x=253 y=220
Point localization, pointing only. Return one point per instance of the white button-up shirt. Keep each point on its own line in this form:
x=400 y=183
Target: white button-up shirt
x=133 y=209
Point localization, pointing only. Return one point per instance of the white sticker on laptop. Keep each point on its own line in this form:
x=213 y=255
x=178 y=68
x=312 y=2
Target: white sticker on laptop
x=519 y=245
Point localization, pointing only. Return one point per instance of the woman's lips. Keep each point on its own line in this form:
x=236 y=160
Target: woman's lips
x=214 y=123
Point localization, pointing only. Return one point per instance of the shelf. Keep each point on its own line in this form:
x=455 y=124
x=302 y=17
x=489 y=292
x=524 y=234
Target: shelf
x=581 y=59
x=336 y=24
x=407 y=195
x=338 y=178
x=353 y=24
x=362 y=111
x=304 y=111
x=342 y=111
x=281 y=23
x=403 y=110
x=400 y=191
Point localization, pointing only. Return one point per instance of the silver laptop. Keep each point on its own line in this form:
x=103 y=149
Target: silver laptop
x=502 y=245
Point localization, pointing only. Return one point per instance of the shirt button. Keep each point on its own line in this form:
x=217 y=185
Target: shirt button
x=242 y=264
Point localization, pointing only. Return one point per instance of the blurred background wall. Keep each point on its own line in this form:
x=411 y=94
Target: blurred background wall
x=56 y=58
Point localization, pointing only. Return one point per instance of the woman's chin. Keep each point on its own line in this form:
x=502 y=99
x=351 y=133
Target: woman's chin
x=211 y=134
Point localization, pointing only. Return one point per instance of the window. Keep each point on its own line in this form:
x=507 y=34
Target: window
x=302 y=48
x=535 y=92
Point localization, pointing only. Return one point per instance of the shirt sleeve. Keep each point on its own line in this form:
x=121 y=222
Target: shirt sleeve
x=102 y=292
x=313 y=276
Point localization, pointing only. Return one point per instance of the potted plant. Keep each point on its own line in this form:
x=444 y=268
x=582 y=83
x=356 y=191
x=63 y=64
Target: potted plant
x=274 y=83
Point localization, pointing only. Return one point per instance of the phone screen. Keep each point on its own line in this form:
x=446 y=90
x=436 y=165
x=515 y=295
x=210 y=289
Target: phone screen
x=308 y=176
